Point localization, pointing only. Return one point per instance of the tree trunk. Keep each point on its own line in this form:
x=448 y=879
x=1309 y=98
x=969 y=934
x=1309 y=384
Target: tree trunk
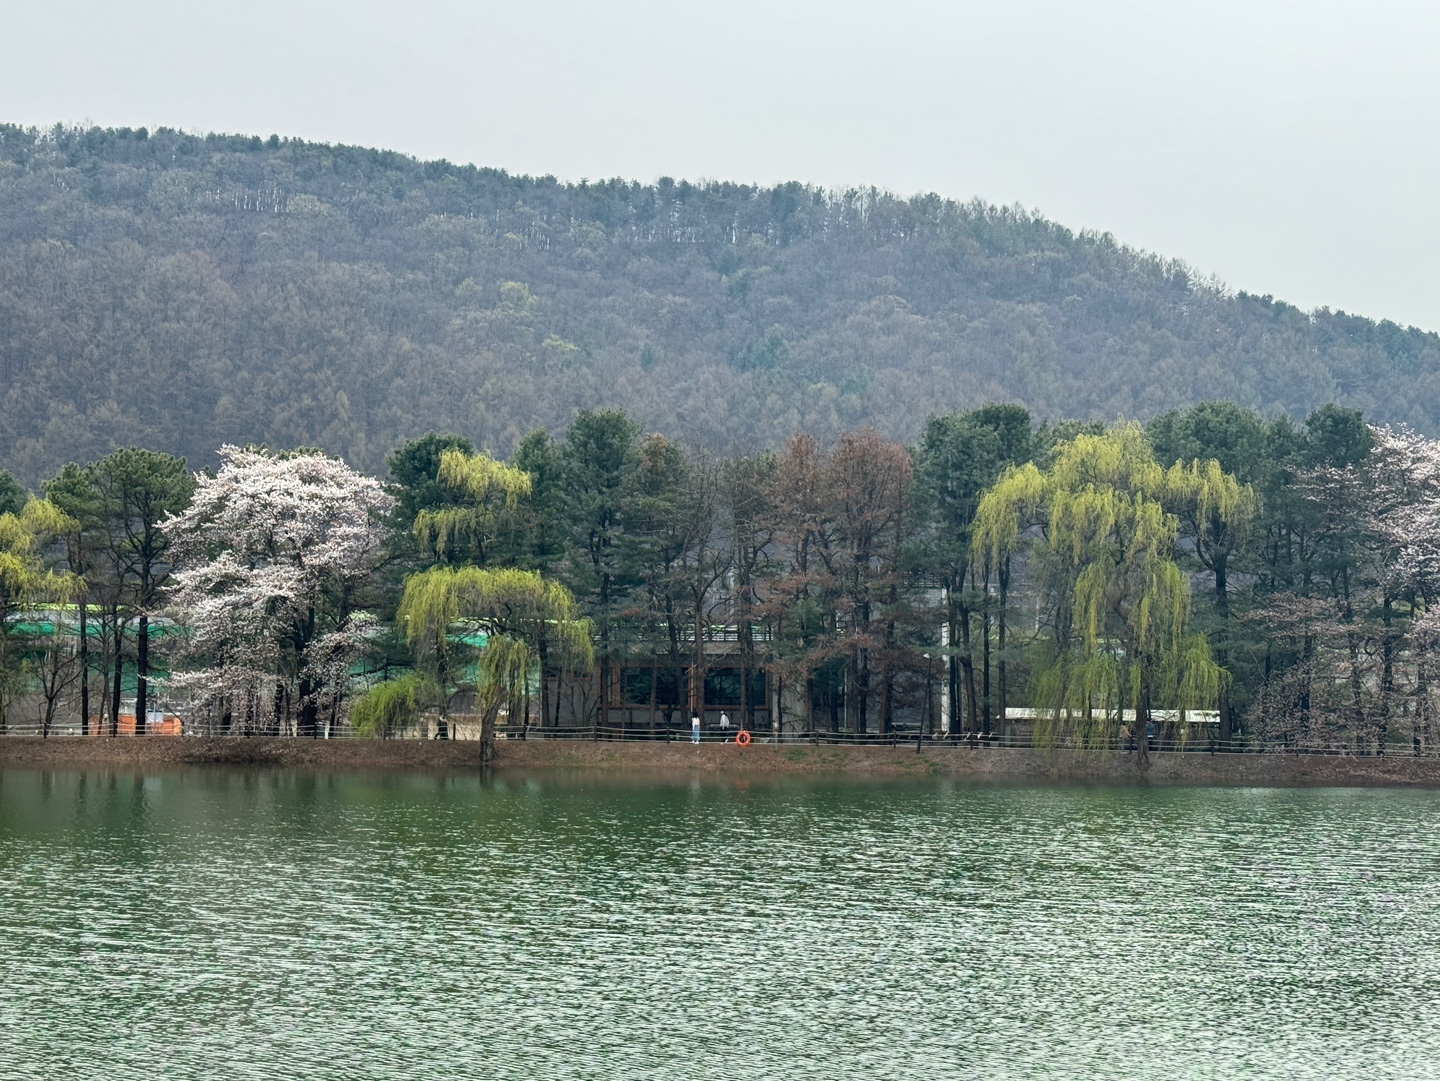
x=747 y=707
x=1002 y=624
x=862 y=691
x=309 y=725
x=654 y=693
x=1352 y=640
x=810 y=707
x=487 y=737
x=1387 y=675
x=1357 y=697
x=967 y=667
x=1420 y=734
x=745 y=634
x=952 y=668
x=544 y=681
x=964 y=649
x=142 y=669
x=1142 y=726
x=49 y=713
x=988 y=704
x=115 y=693
x=4 y=695
x=602 y=686
x=988 y=707
x=442 y=672
x=1222 y=646
x=697 y=671
x=102 y=720
x=887 y=692
x=84 y=669
x=1307 y=649
x=775 y=695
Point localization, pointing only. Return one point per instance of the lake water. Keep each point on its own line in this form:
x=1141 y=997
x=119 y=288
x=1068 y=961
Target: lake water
x=234 y=924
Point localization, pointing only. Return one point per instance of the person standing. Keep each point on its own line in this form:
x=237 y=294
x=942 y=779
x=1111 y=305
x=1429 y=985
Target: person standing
x=724 y=725
x=695 y=728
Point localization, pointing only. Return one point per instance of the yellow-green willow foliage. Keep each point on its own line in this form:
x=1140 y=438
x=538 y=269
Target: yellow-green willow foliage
x=482 y=488
x=390 y=706
x=24 y=579
x=1216 y=497
x=26 y=583
x=502 y=677
x=1105 y=551
x=527 y=620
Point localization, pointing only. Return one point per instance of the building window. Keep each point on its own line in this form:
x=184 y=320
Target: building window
x=635 y=684
x=722 y=688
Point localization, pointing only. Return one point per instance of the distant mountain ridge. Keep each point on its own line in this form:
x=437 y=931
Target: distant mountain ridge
x=179 y=291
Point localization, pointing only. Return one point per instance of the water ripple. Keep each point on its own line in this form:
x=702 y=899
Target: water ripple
x=270 y=924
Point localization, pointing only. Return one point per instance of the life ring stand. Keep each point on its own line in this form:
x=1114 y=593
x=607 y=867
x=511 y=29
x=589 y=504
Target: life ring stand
x=742 y=738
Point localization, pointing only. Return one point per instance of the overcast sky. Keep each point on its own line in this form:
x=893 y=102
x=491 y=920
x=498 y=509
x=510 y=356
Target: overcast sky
x=1288 y=147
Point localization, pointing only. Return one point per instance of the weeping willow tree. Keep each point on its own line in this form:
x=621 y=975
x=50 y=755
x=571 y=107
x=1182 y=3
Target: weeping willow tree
x=27 y=584
x=528 y=622
x=391 y=706
x=1105 y=546
x=481 y=491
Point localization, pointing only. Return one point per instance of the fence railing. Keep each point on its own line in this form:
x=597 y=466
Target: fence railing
x=966 y=742
x=463 y=729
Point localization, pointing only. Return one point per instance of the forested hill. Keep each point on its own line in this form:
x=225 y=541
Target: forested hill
x=178 y=292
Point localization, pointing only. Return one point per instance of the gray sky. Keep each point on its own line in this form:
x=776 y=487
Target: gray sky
x=1288 y=147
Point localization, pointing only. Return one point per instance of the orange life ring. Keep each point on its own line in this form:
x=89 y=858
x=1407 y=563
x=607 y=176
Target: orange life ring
x=742 y=738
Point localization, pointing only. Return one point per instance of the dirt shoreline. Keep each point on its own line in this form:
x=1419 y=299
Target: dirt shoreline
x=940 y=760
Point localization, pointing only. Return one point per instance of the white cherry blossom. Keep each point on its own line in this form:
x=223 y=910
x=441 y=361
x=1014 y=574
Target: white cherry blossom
x=265 y=555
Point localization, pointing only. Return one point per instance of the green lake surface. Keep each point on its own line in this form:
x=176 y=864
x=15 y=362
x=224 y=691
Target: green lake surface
x=276 y=924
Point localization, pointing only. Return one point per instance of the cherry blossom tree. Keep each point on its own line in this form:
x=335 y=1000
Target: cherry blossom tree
x=1403 y=497
x=1404 y=512
x=1362 y=624
x=268 y=557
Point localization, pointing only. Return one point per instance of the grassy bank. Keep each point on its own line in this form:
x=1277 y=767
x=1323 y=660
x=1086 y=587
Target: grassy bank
x=681 y=757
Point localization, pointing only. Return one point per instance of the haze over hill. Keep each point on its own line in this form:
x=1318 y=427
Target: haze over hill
x=178 y=292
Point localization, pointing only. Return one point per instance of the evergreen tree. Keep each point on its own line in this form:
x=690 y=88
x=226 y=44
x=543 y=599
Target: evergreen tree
x=599 y=463
x=138 y=490
x=959 y=456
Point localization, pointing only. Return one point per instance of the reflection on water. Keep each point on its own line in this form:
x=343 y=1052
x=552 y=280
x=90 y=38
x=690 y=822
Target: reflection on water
x=270 y=924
